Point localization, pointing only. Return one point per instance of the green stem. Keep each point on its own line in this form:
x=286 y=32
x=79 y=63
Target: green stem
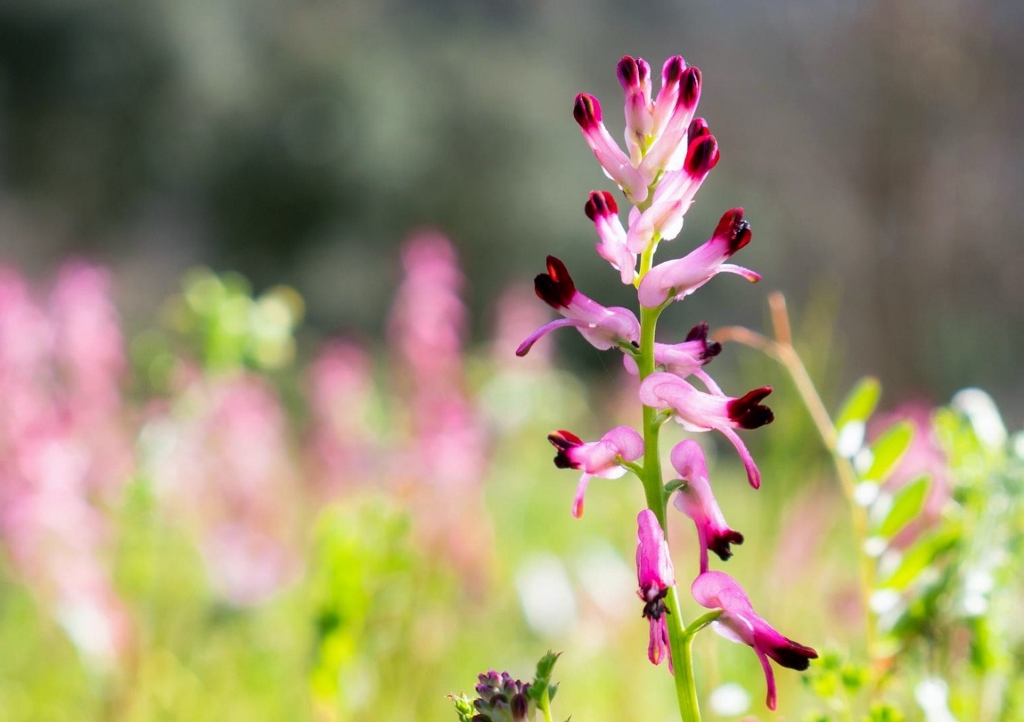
x=545 y=706
x=654 y=490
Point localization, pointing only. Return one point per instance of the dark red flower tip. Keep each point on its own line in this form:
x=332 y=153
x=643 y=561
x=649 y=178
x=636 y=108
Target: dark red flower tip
x=564 y=441
x=747 y=412
x=555 y=287
x=720 y=544
x=689 y=88
x=792 y=655
x=632 y=72
x=587 y=111
x=600 y=203
x=697 y=128
x=700 y=333
x=672 y=70
x=701 y=155
x=734 y=229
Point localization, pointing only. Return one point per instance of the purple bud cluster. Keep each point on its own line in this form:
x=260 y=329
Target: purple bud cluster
x=502 y=699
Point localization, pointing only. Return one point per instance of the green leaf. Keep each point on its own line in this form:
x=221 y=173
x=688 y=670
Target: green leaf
x=860 y=403
x=888 y=449
x=920 y=556
x=542 y=680
x=906 y=505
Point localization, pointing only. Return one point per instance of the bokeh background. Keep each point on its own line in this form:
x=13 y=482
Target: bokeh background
x=876 y=146
x=309 y=480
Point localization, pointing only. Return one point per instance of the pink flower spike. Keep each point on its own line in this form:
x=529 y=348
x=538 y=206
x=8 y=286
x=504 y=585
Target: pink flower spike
x=698 y=411
x=740 y=623
x=635 y=78
x=604 y=328
x=682 y=359
x=617 y=166
x=595 y=458
x=680 y=277
x=655 y=576
x=696 y=501
x=603 y=211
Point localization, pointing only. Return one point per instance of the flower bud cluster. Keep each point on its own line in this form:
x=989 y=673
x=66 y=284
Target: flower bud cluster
x=503 y=699
x=668 y=154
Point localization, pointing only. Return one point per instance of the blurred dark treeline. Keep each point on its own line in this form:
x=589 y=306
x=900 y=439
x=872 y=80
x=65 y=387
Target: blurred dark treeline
x=877 y=147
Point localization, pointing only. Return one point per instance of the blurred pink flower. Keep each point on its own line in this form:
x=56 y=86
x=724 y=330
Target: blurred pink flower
x=224 y=466
x=740 y=623
x=342 y=444
x=64 y=445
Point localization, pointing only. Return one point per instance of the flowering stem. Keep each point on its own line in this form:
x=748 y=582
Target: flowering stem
x=545 y=706
x=782 y=350
x=657 y=499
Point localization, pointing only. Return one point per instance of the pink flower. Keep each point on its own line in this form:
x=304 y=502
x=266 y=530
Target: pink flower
x=616 y=164
x=604 y=328
x=657 y=133
x=699 y=411
x=671 y=115
x=603 y=211
x=684 y=359
x=595 y=458
x=655 y=576
x=696 y=501
x=676 y=190
x=679 y=278
x=740 y=623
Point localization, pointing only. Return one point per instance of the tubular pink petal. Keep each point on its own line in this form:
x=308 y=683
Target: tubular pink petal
x=635 y=78
x=770 y=699
x=696 y=500
x=663 y=219
x=709 y=382
x=752 y=276
x=581 y=490
x=753 y=473
x=667 y=100
x=603 y=211
x=587 y=112
x=653 y=563
x=525 y=346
